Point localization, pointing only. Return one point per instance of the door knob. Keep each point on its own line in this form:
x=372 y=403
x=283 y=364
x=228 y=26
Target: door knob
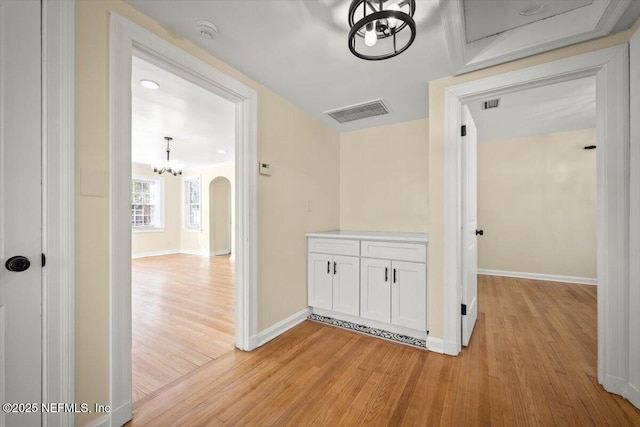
x=480 y=232
x=17 y=263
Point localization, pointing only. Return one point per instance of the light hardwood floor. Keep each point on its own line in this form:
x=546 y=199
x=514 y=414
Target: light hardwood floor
x=183 y=317
x=531 y=361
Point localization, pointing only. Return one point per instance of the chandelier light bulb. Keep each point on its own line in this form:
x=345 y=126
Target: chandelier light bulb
x=370 y=37
x=393 y=22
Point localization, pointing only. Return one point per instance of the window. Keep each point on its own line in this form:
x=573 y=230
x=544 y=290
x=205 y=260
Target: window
x=146 y=203
x=192 y=203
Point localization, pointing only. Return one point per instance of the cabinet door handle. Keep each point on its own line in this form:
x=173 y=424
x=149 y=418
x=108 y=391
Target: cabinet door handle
x=328 y=267
x=394 y=275
x=335 y=269
x=386 y=274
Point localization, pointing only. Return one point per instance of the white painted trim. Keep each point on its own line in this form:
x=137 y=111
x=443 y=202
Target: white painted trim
x=58 y=207
x=221 y=252
x=197 y=253
x=585 y=23
x=435 y=344
x=155 y=253
x=539 y=276
x=634 y=222
x=280 y=328
x=128 y=39
x=610 y=66
x=103 y=421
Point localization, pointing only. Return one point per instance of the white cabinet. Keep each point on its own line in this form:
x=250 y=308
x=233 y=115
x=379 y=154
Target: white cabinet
x=375 y=289
x=374 y=279
x=394 y=292
x=334 y=280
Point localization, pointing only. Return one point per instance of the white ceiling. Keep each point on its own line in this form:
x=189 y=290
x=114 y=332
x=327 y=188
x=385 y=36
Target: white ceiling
x=484 y=18
x=298 y=49
x=548 y=109
x=199 y=122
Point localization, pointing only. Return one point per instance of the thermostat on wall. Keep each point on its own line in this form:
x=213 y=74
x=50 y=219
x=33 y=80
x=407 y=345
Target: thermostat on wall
x=265 y=169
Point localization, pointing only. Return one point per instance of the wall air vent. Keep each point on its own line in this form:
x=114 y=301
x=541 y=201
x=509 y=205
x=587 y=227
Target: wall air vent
x=359 y=111
x=492 y=103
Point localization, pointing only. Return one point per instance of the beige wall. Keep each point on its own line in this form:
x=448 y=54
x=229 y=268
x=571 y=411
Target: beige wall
x=537 y=204
x=168 y=239
x=436 y=158
x=384 y=178
x=305 y=158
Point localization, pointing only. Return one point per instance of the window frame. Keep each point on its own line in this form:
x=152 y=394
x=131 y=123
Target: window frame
x=186 y=181
x=157 y=193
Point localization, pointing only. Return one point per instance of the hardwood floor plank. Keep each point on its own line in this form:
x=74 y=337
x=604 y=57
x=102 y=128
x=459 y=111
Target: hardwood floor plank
x=531 y=361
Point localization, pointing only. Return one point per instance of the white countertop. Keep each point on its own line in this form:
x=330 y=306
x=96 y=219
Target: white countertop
x=373 y=235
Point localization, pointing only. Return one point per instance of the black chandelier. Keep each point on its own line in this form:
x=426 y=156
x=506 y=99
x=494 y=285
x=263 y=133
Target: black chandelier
x=379 y=28
x=170 y=167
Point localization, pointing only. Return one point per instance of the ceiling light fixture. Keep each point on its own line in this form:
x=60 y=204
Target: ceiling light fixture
x=149 y=84
x=534 y=10
x=378 y=34
x=207 y=30
x=173 y=168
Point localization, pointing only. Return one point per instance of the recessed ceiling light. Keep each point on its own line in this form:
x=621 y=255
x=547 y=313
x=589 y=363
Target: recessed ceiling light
x=222 y=151
x=207 y=30
x=149 y=84
x=534 y=10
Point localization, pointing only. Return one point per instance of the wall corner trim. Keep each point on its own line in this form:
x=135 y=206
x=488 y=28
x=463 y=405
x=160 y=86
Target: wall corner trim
x=279 y=328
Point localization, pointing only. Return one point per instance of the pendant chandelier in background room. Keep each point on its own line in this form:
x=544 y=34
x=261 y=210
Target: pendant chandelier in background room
x=170 y=167
x=381 y=29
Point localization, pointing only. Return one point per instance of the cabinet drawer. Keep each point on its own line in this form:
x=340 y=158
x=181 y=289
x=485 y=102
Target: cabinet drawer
x=396 y=251
x=334 y=246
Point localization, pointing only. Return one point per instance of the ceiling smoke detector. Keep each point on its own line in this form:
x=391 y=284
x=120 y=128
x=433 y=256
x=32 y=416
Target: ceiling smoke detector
x=534 y=10
x=207 y=30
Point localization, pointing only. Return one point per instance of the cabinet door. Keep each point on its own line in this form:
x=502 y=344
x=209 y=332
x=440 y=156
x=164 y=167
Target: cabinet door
x=319 y=281
x=346 y=285
x=409 y=295
x=375 y=289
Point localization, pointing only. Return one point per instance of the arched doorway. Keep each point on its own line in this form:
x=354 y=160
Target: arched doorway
x=220 y=216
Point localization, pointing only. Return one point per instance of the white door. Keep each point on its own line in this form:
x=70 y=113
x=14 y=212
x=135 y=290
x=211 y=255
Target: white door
x=320 y=281
x=469 y=226
x=409 y=294
x=346 y=285
x=375 y=289
x=20 y=208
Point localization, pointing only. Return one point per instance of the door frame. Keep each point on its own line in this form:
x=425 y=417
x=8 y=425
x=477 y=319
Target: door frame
x=610 y=67
x=58 y=159
x=126 y=40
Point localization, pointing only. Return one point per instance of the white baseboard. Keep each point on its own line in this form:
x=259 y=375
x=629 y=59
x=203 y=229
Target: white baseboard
x=156 y=253
x=616 y=385
x=633 y=394
x=198 y=253
x=222 y=252
x=103 y=421
x=435 y=344
x=537 y=276
x=279 y=328
x=450 y=348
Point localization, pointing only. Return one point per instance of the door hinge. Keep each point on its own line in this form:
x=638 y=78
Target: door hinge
x=44 y=260
x=463 y=310
x=463 y=130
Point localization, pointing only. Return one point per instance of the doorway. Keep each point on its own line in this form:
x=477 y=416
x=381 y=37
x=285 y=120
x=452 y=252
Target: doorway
x=610 y=68
x=128 y=40
x=182 y=298
x=220 y=216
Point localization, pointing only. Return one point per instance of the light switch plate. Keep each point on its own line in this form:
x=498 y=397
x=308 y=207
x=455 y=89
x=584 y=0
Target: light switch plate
x=265 y=169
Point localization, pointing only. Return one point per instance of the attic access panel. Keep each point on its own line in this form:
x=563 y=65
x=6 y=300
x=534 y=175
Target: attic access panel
x=587 y=22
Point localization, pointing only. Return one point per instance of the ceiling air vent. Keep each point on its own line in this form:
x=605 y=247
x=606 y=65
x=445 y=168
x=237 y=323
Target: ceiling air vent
x=359 y=111
x=492 y=103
